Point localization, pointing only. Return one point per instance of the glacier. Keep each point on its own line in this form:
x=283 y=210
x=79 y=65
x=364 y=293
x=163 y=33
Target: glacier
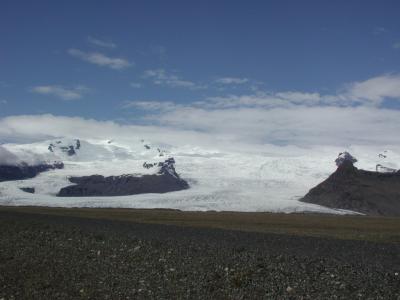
x=266 y=179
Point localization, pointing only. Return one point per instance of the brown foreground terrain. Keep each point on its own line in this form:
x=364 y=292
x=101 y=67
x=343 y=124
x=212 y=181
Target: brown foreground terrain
x=320 y=225
x=58 y=253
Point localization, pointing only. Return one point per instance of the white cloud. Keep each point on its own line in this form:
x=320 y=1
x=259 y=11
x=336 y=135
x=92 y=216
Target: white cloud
x=101 y=59
x=237 y=128
x=136 y=85
x=152 y=105
x=30 y=128
x=379 y=30
x=352 y=116
x=101 y=43
x=373 y=91
x=300 y=97
x=396 y=45
x=231 y=80
x=162 y=77
x=3 y=101
x=61 y=92
x=10 y=158
x=7 y=157
x=263 y=100
x=291 y=126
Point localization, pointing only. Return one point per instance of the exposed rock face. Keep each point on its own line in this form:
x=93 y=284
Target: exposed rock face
x=30 y=190
x=147 y=165
x=166 y=180
x=24 y=171
x=371 y=193
x=165 y=167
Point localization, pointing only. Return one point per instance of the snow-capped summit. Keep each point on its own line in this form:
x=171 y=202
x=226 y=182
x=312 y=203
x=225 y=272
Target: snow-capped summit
x=79 y=150
x=163 y=167
x=69 y=148
x=168 y=167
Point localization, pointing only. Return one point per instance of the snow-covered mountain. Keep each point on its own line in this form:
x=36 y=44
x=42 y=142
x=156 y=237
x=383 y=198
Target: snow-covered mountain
x=271 y=179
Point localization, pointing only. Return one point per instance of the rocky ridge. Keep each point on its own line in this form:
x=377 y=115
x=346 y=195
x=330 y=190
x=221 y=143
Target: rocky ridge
x=165 y=180
x=24 y=171
x=366 y=192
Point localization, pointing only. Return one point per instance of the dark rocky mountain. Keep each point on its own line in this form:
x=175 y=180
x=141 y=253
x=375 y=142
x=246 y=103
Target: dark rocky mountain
x=166 y=180
x=25 y=171
x=367 y=192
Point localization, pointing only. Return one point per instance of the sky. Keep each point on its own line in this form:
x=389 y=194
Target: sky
x=252 y=72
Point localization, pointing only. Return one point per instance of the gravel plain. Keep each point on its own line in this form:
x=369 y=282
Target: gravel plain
x=64 y=257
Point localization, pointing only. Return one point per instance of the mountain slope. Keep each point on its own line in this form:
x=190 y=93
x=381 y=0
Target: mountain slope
x=367 y=192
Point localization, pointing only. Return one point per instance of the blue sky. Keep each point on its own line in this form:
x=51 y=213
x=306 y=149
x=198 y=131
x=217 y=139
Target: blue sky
x=156 y=62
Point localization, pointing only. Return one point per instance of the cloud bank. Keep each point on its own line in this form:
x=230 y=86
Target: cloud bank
x=245 y=127
x=353 y=116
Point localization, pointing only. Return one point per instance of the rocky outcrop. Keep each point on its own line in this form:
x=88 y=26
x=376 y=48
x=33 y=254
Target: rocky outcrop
x=30 y=190
x=69 y=149
x=167 y=166
x=370 y=193
x=166 y=180
x=345 y=156
x=25 y=171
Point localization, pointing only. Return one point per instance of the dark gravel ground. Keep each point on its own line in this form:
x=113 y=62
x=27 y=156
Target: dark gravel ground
x=53 y=257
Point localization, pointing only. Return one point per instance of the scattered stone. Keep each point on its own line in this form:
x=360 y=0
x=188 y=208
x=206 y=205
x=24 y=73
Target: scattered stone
x=290 y=290
x=36 y=259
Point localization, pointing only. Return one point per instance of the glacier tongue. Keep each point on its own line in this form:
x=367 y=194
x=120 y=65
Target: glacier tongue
x=271 y=179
